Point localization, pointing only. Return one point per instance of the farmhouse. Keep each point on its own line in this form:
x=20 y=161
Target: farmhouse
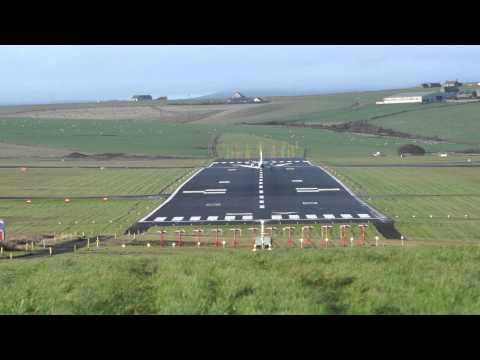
x=141 y=97
x=239 y=98
x=413 y=97
x=452 y=83
x=431 y=85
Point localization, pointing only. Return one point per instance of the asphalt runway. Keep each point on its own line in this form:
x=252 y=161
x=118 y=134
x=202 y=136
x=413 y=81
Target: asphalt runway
x=284 y=191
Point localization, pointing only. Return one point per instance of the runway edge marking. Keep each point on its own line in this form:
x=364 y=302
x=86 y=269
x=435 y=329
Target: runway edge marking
x=377 y=213
x=171 y=196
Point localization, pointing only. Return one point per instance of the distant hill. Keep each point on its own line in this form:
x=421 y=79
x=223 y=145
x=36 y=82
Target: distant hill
x=253 y=93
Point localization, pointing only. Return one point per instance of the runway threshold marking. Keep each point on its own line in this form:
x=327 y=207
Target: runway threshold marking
x=364 y=216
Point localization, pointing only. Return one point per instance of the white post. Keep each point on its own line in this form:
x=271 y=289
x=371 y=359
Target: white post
x=402 y=240
x=376 y=240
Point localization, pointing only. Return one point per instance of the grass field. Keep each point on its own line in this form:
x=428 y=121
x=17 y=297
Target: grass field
x=458 y=123
x=89 y=216
x=85 y=182
x=333 y=281
x=123 y=136
x=411 y=195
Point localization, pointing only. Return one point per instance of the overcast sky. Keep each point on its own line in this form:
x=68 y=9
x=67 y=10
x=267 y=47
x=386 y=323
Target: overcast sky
x=61 y=73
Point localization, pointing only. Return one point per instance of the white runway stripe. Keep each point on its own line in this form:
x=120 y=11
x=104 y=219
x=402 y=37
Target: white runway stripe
x=177 y=218
x=229 y=217
x=247 y=217
x=158 y=219
x=276 y=217
x=346 y=216
x=363 y=216
x=311 y=216
x=329 y=216
x=294 y=217
x=212 y=218
x=262 y=206
x=195 y=218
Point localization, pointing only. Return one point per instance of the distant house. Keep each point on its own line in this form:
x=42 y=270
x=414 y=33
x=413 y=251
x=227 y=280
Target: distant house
x=450 y=91
x=141 y=97
x=452 y=83
x=239 y=98
x=431 y=85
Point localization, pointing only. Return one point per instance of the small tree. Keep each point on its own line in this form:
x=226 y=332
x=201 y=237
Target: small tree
x=411 y=149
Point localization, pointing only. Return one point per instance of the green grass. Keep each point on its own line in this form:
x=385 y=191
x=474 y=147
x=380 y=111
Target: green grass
x=122 y=136
x=89 y=216
x=413 y=280
x=458 y=123
x=68 y=182
x=411 y=195
x=324 y=145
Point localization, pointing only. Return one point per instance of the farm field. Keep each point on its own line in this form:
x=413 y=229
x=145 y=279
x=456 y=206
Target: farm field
x=324 y=145
x=97 y=136
x=280 y=108
x=389 y=280
x=72 y=183
x=426 y=203
x=457 y=123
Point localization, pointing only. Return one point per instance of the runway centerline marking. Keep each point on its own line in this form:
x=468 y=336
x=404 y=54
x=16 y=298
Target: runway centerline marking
x=297 y=181
x=224 y=182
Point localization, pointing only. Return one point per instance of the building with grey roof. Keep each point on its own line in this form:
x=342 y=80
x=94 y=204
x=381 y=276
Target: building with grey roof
x=413 y=97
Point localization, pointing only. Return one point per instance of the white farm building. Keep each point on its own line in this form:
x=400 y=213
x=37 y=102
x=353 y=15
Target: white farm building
x=413 y=97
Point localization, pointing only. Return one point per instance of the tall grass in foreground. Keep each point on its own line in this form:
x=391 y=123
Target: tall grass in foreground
x=334 y=281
